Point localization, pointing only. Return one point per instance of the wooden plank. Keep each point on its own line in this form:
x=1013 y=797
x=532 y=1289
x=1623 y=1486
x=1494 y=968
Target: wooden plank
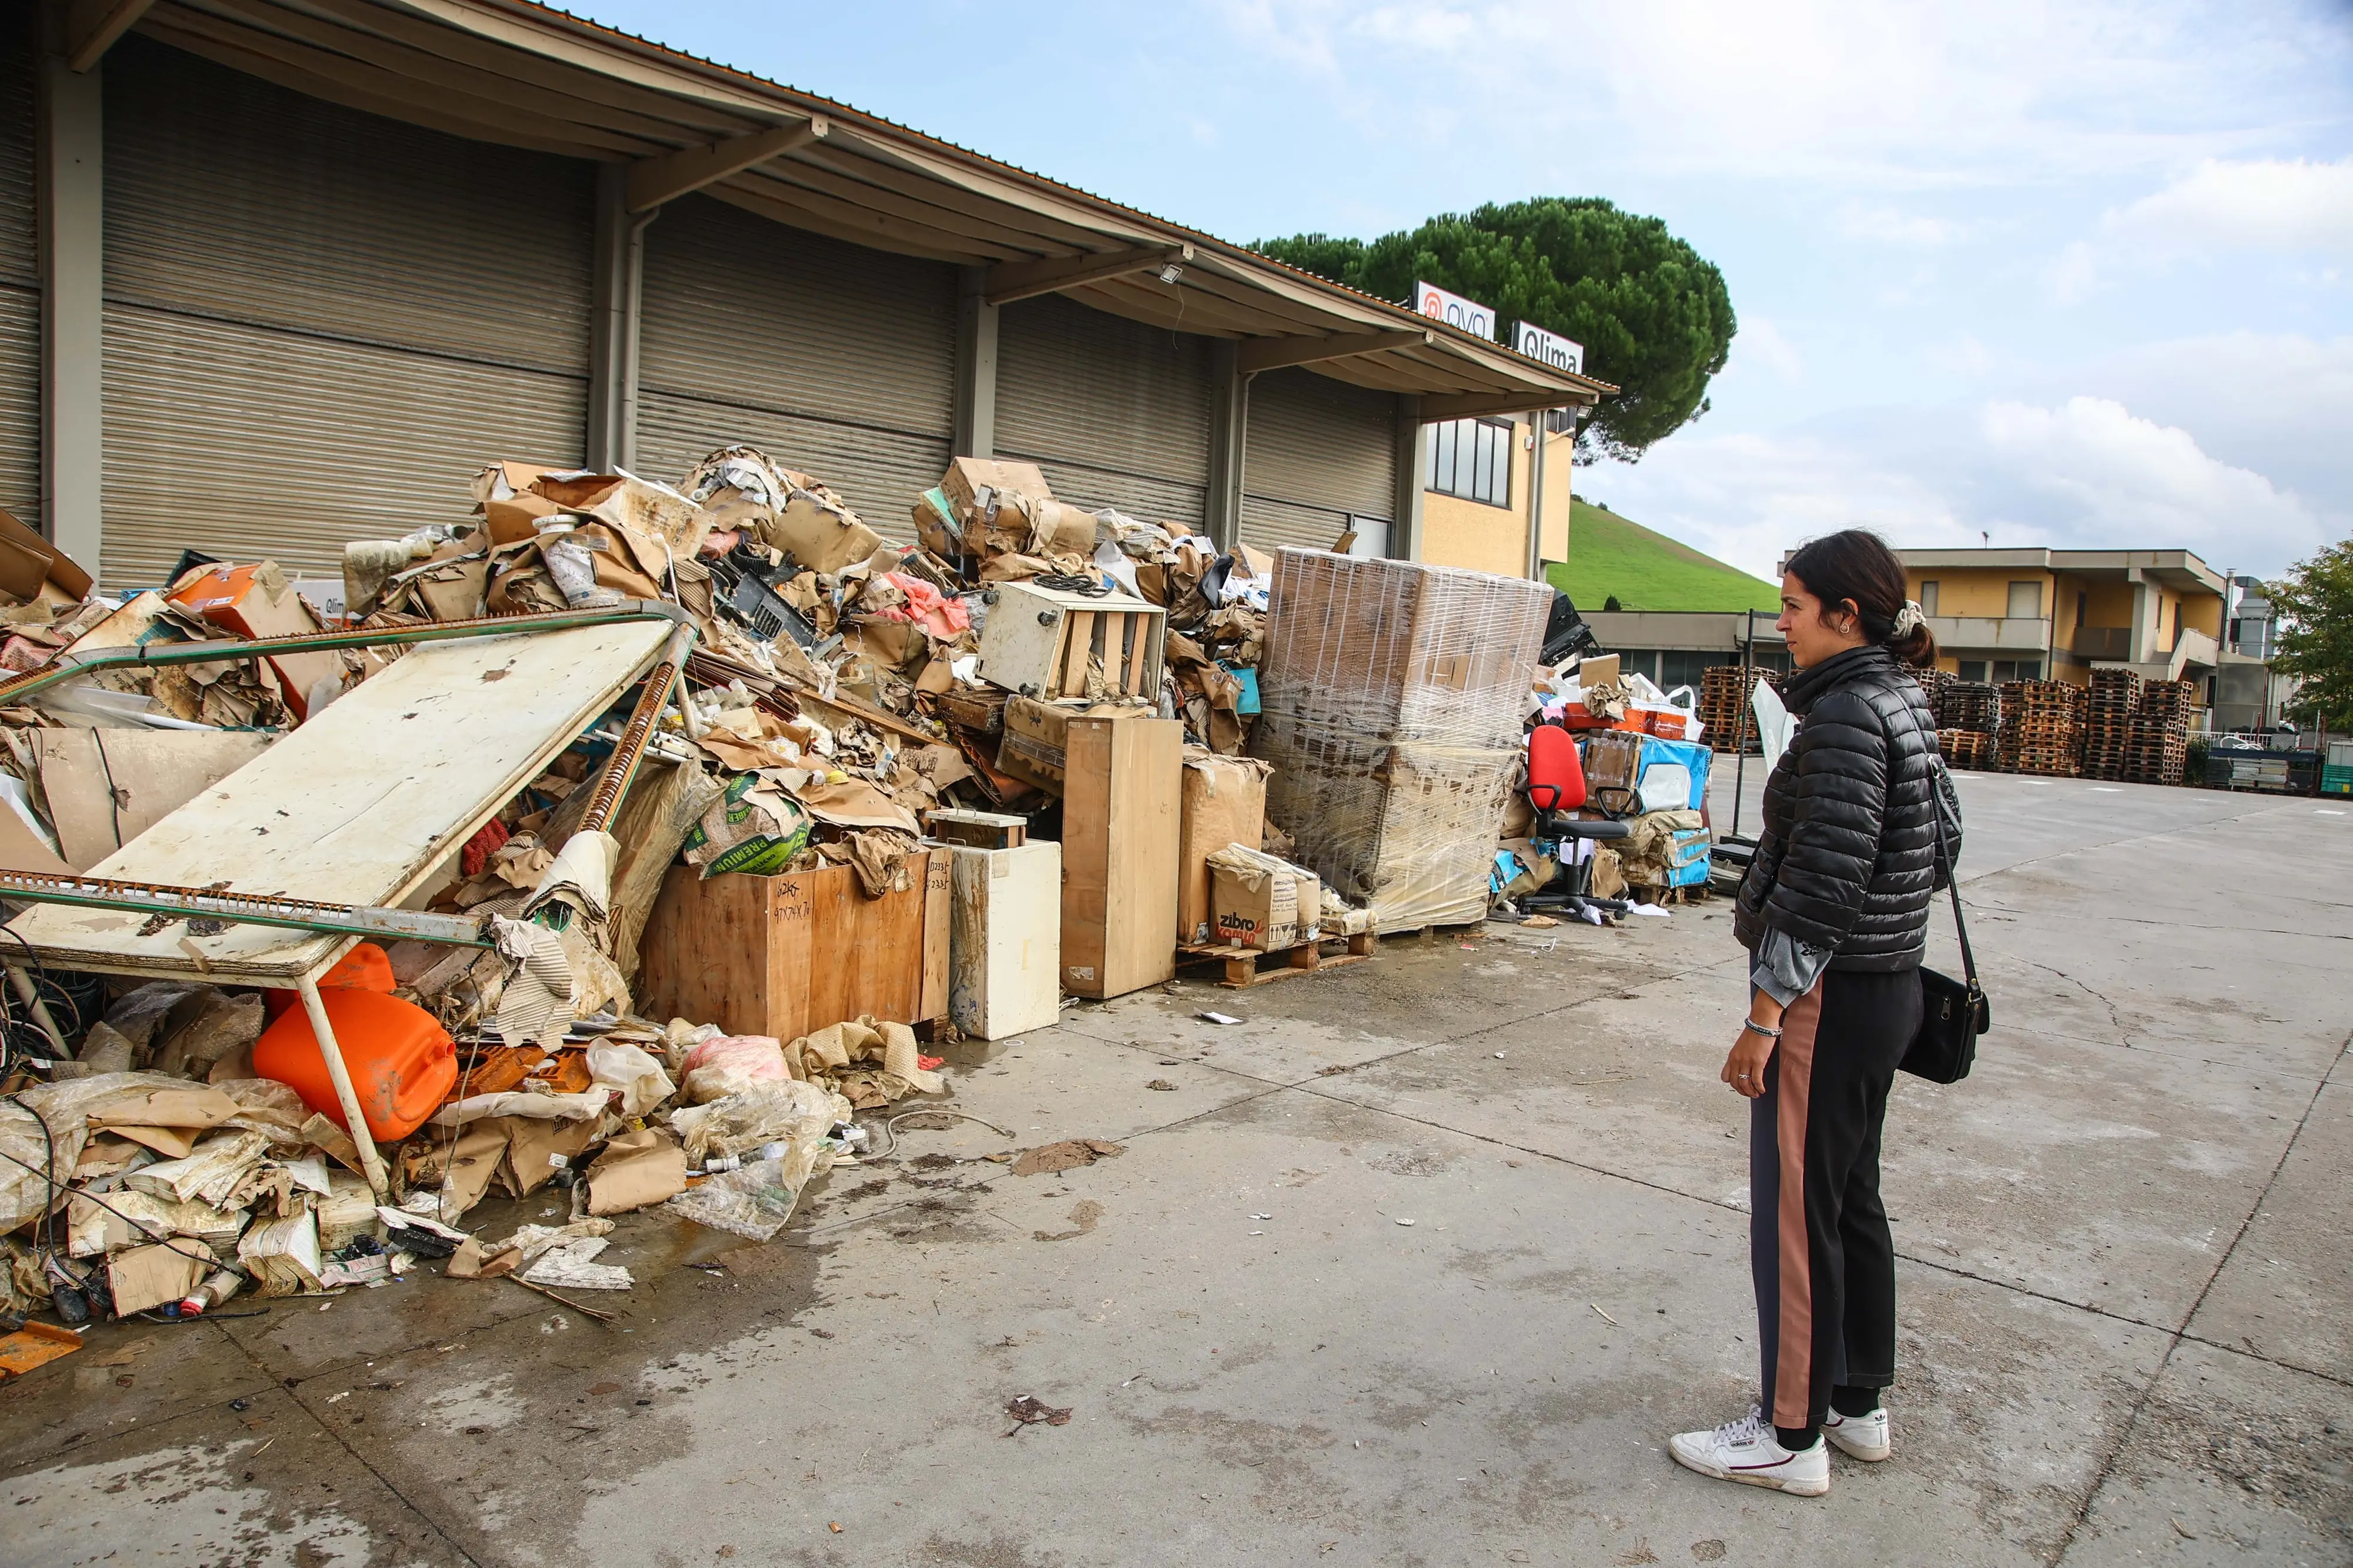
x=1078 y=642
x=1115 y=653
x=360 y=804
x=1143 y=671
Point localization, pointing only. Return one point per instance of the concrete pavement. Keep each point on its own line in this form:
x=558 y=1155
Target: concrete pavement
x=1419 y=1264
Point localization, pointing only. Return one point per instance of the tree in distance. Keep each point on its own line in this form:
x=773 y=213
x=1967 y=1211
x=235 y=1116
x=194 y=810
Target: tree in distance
x=2315 y=603
x=1653 y=314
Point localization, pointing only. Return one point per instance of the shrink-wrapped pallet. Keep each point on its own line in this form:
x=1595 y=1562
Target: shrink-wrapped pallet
x=1392 y=697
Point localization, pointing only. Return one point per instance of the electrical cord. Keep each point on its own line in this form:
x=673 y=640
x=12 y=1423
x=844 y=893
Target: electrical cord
x=891 y=1125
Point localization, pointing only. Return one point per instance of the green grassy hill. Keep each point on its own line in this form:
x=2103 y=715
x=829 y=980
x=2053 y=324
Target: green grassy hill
x=1609 y=555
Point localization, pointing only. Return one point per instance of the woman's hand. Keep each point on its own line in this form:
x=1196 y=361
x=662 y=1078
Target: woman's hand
x=1744 y=1068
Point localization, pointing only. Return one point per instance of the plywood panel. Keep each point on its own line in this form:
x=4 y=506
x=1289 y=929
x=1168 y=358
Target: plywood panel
x=359 y=804
x=1120 y=821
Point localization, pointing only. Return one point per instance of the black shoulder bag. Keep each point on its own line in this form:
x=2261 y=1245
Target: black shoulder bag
x=1952 y=1013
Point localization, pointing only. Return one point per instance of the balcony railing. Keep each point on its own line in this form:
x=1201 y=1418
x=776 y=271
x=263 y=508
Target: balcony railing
x=1999 y=634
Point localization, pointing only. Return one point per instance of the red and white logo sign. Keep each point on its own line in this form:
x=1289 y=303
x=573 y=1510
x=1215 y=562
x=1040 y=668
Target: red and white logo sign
x=1453 y=309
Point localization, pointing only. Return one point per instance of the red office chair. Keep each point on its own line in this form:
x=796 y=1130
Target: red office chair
x=1556 y=788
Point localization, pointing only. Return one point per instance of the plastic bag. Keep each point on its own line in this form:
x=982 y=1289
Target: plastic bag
x=753 y=1201
x=618 y=1065
x=729 y=1064
x=760 y=1114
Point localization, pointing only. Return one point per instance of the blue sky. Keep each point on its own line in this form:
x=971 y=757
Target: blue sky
x=2068 y=275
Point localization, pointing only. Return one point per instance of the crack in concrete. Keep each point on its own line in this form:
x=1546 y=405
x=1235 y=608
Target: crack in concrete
x=2124 y=1434
x=2113 y=1016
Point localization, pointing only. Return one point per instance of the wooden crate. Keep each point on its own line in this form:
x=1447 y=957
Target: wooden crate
x=1121 y=814
x=1043 y=642
x=785 y=955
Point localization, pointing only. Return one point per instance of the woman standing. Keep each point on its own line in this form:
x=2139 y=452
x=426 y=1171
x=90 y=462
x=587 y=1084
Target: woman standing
x=1834 y=913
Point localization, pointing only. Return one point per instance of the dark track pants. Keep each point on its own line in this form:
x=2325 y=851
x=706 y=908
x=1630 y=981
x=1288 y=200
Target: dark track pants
x=1818 y=1239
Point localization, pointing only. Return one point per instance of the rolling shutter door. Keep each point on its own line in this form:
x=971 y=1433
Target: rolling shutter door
x=1116 y=413
x=20 y=287
x=830 y=358
x=1320 y=451
x=320 y=323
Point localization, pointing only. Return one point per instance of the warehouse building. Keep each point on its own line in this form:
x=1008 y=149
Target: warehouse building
x=276 y=276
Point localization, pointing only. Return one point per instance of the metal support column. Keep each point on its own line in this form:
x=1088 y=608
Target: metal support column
x=1229 y=443
x=1412 y=479
x=1536 y=494
x=71 y=216
x=975 y=366
x=615 y=313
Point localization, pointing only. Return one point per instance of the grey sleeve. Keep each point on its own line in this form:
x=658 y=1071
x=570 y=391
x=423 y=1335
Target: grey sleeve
x=1786 y=968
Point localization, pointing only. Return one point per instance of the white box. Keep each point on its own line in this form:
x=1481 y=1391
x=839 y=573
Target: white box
x=1038 y=642
x=1005 y=939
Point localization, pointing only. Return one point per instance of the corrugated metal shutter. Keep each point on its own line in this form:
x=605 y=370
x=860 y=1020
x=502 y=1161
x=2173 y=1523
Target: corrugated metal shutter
x=1319 y=452
x=20 y=296
x=1116 y=413
x=830 y=358
x=320 y=323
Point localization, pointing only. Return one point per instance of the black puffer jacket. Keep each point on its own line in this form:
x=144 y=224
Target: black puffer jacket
x=1847 y=860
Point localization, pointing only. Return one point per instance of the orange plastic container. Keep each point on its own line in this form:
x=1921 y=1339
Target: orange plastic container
x=366 y=968
x=401 y=1060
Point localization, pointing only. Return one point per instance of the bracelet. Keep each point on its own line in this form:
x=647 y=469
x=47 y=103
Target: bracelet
x=1754 y=1028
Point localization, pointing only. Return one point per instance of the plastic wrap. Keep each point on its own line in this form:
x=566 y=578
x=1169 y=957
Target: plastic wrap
x=729 y=1064
x=1392 y=697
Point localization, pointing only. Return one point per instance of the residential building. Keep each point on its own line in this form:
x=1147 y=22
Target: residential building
x=2031 y=613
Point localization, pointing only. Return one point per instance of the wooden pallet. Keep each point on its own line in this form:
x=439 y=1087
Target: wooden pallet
x=1243 y=963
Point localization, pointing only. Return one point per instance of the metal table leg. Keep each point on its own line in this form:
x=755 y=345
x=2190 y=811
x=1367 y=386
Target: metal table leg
x=371 y=1163
x=30 y=995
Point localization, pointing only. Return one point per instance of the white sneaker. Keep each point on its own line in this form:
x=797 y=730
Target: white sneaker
x=1748 y=1451
x=1859 y=1436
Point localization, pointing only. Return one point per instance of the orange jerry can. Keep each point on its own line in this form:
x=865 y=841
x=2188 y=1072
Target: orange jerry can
x=366 y=967
x=401 y=1060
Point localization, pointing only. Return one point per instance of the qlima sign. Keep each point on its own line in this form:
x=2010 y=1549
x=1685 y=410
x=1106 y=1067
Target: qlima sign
x=1561 y=353
x=1454 y=309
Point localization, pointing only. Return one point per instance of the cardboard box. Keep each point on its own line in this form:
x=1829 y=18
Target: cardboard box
x=1223 y=801
x=1263 y=904
x=967 y=477
x=106 y=787
x=259 y=602
x=26 y=561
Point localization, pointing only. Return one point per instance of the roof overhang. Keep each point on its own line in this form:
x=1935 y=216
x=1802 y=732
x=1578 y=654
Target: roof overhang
x=2176 y=569
x=527 y=76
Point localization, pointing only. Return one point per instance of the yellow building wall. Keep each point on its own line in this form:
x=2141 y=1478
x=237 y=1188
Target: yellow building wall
x=1479 y=537
x=2112 y=604
x=1975 y=591
x=1559 y=487
x=2204 y=612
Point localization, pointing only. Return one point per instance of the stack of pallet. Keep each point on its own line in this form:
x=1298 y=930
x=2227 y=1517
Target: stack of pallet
x=2108 y=724
x=2041 y=727
x=1730 y=723
x=1965 y=748
x=1969 y=715
x=1933 y=682
x=2158 y=750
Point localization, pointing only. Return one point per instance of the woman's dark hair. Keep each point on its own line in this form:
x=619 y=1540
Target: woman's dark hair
x=1855 y=565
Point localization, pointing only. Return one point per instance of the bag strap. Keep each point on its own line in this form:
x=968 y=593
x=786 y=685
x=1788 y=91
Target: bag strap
x=1952 y=880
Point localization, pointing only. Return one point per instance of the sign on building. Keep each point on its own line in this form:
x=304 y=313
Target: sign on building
x=1453 y=309
x=1561 y=353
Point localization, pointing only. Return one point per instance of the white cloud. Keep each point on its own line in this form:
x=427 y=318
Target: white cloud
x=1760 y=342
x=2288 y=204
x=2084 y=473
x=1883 y=95
x=2121 y=480
x=1892 y=226
x=2073 y=274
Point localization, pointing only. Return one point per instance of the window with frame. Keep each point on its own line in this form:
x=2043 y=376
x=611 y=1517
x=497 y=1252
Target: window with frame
x=1471 y=458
